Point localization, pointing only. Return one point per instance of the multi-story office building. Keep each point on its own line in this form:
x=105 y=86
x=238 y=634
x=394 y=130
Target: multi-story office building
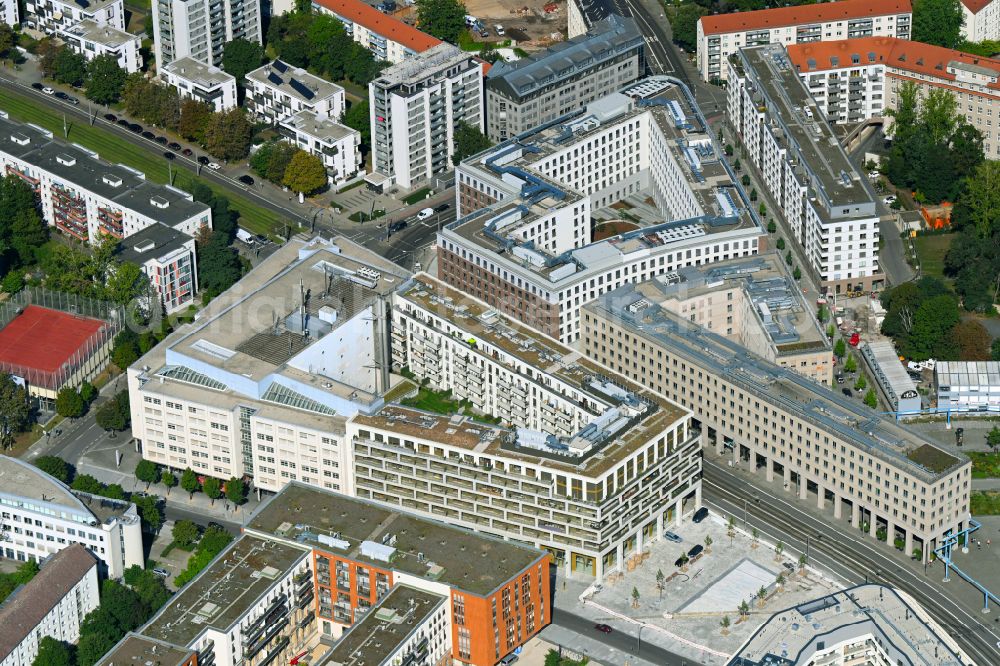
x=338 y=146
x=980 y=20
x=87 y=198
x=755 y=302
x=167 y=257
x=201 y=28
x=41 y=516
x=721 y=35
x=386 y=37
x=829 y=206
x=880 y=475
x=277 y=91
x=415 y=108
x=205 y=83
x=642 y=163
x=53 y=603
x=91 y=39
x=52 y=16
x=566 y=77
x=856 y=79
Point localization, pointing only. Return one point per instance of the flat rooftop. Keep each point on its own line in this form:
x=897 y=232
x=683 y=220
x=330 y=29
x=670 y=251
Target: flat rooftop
x=153 y=242
x=961 y=374
x=107 y=35
x=137 y=650
x=420 y=66
x=786 y=389
x=384 y=628
x=43 y=339
x=225 y=590
x=23 y=480
x=435 y=551
x=319 y=126
x=902 y=628
x=294 y=82
x=201 y=74
x=789 y=106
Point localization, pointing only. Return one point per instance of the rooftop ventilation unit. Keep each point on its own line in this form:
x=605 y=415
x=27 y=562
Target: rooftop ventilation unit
x=65 y=160
x=158 y=202
x=112 y=180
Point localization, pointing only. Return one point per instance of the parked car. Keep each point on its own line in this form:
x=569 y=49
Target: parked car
x=700 y=515
x=110 y=117
x=499 y=29
x=670 y=536
x=246 y=180
x=174 y=146
x=159 y=571
x=425 y=213
x=261 y=238
x=122 y=122
x=148 y=135
x=889 y=200
x=681 y=561
x=72 y=100
x=846 y=391
x=695 y=551
x=61 y=95
x=187 y=152
x=603 y=628
x=202 y=160
x=135 y=127
x=37 y=86
x=162 y=140
x=169 y=155
x=48 y=91
x=443 y=207
x=397 y=226
x=214 y=166
x=840 y=378
x=508 y=660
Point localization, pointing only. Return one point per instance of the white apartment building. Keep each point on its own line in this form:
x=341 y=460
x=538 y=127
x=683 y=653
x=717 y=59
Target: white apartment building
x=41 y=516
x=877 y=475
x=721 y=35
x=52 y=16
x=856 y=79
x=338 y=146
x=201 y=28
x=415 y=107
x=829 y=206
x=9 y=13
x=386 y=37
x=87 y=198
x=91 y=39
x=205 y=83
x=168 y=258
x=53 y=603
x=641 y=162
x=980 y=20
x=277 y=90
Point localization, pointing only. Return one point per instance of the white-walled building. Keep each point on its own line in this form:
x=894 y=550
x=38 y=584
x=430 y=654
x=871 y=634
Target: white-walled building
x=202 y=28
x=338 y=146
x=980 y=20
x=202 y=82
x=277 y=91
x=41 y=516
x=52 y=16
x=168 y=258
x=9 y=12
x=386 y=37
x=91 y=39
x=53 y=603
x=721 y=35
x=972 y=386
x=830 y=206
x=524 y=241
x=85 y=197
x=415 y=107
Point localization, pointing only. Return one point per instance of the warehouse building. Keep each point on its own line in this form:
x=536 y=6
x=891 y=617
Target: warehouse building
x=894 y=384
x=972 y=386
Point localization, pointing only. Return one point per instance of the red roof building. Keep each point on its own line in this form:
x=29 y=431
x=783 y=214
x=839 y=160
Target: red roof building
x=387 y=37
x=981 y=20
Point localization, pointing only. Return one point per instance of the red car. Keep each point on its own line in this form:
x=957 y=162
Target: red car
x=603 y=628
x=855 y=340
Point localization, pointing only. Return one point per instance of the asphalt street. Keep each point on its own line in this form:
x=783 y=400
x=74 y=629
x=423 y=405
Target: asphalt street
x=621 y=640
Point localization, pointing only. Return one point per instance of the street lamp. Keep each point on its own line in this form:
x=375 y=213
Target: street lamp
x=638 y=639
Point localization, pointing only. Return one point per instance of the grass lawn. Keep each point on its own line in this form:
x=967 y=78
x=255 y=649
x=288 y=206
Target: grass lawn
x=985 y=465
x=930 y=251
x=110 y=147
x=984 y=502
x=419 y=195
x=429 y=400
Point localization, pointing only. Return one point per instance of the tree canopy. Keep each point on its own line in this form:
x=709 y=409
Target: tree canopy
x=684 y=24
x=15 y=410
x=54 y=466
x=241 y=56
x=305 y=173
x=445 y=19
x=105 y=79
x=320 y=43
x=468 y=141
x=52 y=652
x=937 y=22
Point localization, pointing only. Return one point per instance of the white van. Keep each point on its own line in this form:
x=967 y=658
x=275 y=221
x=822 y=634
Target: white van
x=470 y=20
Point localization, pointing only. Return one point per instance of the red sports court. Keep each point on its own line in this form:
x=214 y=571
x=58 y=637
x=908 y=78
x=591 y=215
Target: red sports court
x=44 y=340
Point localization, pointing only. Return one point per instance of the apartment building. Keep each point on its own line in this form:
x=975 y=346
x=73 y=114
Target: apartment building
x=563 y=78
x=829 y=206
x=856 y=79
x=369 y=558
x=864 y=624
x=205 y=83
x=91 y=39
x=201 y=28
x=875 y=473
x=641 y=164
x=10 y=13
x=337 y=146
x=137 y=649
x=722 y=35
x=167 y=257
x=755 y=302
x=277 y=90
x=577 y=21
x=980 y=20
x=42 y=516
x=52 y=16
x=87 y=198
x=53 y=603
x=415 y=108
x=386 y=37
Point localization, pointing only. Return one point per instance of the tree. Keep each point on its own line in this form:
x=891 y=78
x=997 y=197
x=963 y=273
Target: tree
x=822 y=314
x=744 y=608
x=797 y=273
x=194 y=117
x=52 y=652
x=851 y=364
x=55 y=467
x=860 y=384
x=635 y=597
x=86 y=483
x=305 y=173
x=189 y=482
x=69 y=404
x=761 y=595
x=111 y=417
x=445 y=19
x=28 y=232
x=993 y=438
x=70 y=67
x=88 y=392
x=684 y=24
x=105 y=79
x=937 y=22
x=148 y=585
x=932 y=323
x=126 y=282
x=125 y=351
x=185 y=533
x=995 y=350
x=212 y=488
x=839 y=348
x=754 y=536
x=468 y=141
x=830 y=331
x=15 y=409
x=357 y=117
x=724 y=623
x=272 y=159
x=147 y=472
x=779 y=548
x=803 y=561
x=779 y=579
x=149 y=511
x=972 y=340
x=982 y=199
x=871 y=399
x=771 y=226
x=731 y=529
x=168 y=479
x=235 y=490
x=8 y=39
x=241 y=56
x=218 y=264
x=228 y=134
x=780 y=244
x=661 y=583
